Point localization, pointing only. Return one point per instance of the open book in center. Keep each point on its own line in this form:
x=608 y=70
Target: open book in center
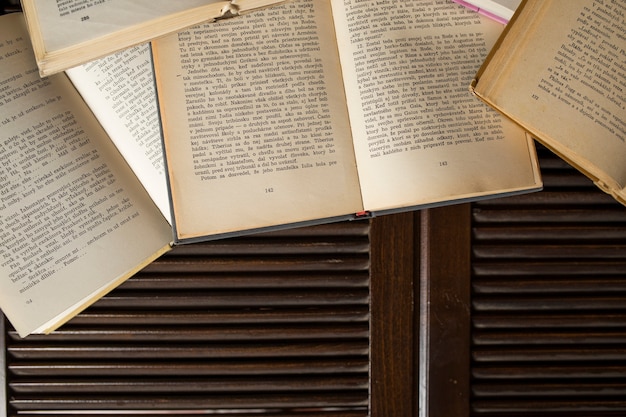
x=323 y=109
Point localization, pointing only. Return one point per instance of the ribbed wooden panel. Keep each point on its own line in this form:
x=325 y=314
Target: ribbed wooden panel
x=274 y=324
x=549 y=301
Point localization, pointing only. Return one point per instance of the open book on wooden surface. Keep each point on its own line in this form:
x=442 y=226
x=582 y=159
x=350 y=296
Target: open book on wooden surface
x=323 y=109
x=73 y=32
x=559 y=72
x=74 y=219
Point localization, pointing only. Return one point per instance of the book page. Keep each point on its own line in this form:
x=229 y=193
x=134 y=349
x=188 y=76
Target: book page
x=68 y=33
x=566 y=83
x=74 y=221
x=255 y=124
x=420 y=136
x=65 y=23
x=119 y=90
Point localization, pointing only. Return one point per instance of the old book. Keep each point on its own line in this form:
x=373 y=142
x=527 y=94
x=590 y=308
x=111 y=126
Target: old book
x=559 y=72
x=323 y=109
x=74 y=219
x=73 y=32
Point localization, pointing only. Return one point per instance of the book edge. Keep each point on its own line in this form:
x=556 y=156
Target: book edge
x=58 y=321
x=51 y=62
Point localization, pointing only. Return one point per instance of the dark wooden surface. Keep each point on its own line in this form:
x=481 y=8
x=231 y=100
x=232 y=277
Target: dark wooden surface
x=394 y=322
x=276 y=322
x=549 y=301
x=444 y=311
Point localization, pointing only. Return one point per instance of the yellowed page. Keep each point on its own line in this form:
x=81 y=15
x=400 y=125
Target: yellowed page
x=255 y=124
x=66 y=23
x=74 y=221
x=566 y=84
x=420 y=136
x=72 y=32
x=119 y=90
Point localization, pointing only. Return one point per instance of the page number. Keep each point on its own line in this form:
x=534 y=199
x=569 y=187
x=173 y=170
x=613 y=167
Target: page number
x=83 y=18
x=269 y=190
x=443 y=163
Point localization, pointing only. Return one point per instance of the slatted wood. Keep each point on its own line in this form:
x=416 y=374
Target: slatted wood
x=275 y=324
x=549 y=301
x=395 y=320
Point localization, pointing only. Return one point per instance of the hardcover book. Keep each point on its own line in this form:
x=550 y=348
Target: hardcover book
x=323 y=109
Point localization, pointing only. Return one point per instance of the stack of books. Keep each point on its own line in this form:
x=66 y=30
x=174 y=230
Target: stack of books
x=127 y=133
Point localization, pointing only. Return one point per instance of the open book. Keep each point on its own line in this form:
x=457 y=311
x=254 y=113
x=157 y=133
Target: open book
x=72 y=32
x=322 y=109
x=566 y=83
x=74 y=219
